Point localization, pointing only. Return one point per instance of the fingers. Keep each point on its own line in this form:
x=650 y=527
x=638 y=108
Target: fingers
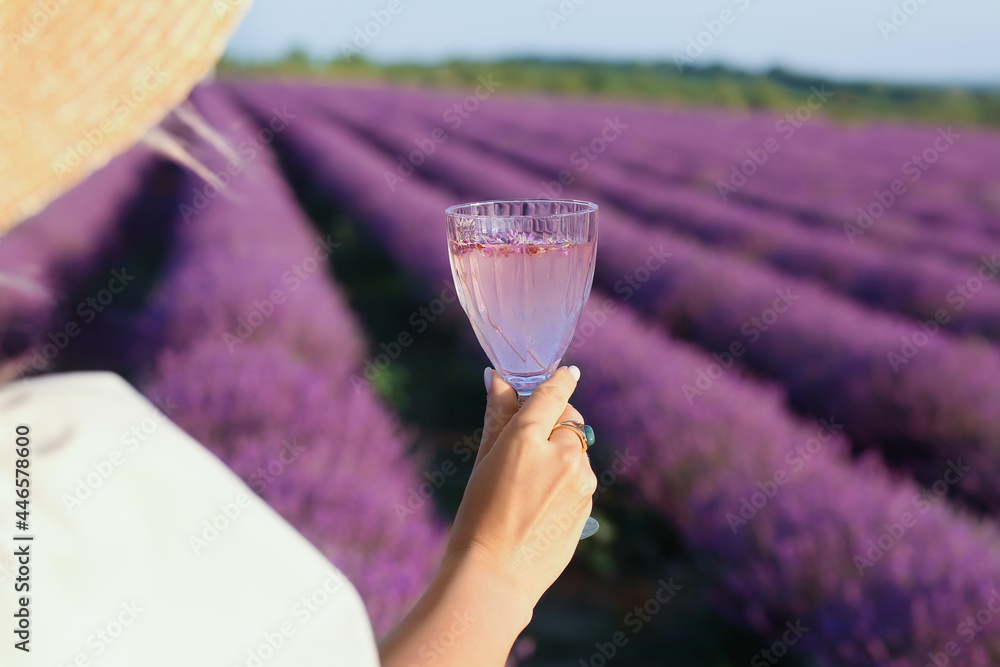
x=565 y=436
x=501 y=405
x=571 y=414
x=545 y=405
x=569 y=438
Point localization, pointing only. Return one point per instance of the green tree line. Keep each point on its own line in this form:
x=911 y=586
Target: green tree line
x=713 y=85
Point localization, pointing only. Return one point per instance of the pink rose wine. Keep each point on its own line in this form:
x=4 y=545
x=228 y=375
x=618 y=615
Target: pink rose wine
x=523 y=271
x=524 y=301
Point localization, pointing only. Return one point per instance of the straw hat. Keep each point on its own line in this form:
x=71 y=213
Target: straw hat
x=82 y=80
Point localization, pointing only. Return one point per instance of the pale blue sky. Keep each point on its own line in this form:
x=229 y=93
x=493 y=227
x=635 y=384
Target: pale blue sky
x=943 y=41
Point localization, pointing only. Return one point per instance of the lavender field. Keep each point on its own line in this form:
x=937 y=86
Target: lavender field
x=791 y=355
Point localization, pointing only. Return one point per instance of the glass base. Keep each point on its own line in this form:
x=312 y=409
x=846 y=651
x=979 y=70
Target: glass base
x=524 y=385
x=590 y=528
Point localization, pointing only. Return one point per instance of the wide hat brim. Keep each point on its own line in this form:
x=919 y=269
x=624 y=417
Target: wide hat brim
x=80 y=82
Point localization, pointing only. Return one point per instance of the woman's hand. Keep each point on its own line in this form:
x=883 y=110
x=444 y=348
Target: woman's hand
x=531 y=488
x=516 y=530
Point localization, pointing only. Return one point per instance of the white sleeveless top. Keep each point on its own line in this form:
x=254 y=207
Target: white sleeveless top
x=147 y=550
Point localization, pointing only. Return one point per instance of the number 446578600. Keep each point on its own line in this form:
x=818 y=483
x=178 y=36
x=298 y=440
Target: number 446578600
x=21 y=475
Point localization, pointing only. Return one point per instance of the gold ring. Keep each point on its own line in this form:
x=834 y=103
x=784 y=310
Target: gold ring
x=580 y=429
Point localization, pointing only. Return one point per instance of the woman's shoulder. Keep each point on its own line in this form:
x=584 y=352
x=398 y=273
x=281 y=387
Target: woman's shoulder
x=133 y=521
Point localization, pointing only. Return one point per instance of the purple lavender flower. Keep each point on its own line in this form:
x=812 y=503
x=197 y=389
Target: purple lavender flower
x=45 y=258
x=257 y=347
x=881 y=373
x=813 y=549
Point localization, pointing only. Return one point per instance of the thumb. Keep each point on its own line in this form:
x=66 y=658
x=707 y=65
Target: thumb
x=501 y=405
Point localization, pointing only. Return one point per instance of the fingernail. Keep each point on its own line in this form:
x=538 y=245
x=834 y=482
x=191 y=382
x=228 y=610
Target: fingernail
x=488 y=378
x=575 y=372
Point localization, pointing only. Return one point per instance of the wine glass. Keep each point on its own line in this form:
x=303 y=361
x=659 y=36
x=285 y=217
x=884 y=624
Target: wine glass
x=523 y=271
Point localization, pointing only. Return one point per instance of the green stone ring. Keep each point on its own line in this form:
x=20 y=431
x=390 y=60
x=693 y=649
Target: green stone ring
x=585 y=431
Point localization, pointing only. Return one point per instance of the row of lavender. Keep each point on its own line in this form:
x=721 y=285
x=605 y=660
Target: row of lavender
x=42 y=261
x=946 y=169
x=949 y=292
x=915 y=284
x=242 y=338
x=856 y=555
x=949 y=209
x=260 y=347
x=833 y=356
